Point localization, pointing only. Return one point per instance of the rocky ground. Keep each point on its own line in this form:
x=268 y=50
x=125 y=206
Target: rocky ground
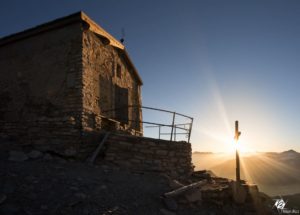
x=35 y=182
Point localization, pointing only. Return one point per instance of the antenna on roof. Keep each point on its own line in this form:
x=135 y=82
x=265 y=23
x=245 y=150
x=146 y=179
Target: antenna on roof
x=122 y=35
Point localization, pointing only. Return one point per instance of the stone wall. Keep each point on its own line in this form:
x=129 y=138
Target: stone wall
x=40 y=86
x=60 y=81
x=147 y=154
x=105 y=74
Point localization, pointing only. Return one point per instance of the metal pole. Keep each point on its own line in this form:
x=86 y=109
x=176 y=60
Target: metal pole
x=172 y=126
x=237 y=156
x=175 y=133
x=190 y=130
x=159 y=132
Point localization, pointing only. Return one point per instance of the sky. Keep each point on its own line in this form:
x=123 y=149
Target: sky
x=214 y=60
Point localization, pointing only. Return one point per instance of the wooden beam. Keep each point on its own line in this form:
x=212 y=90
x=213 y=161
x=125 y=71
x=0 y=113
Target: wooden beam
x=184 y=189
x=95 y=154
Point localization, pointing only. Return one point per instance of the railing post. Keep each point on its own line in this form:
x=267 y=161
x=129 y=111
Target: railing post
x=190 y=130
x=172 y=126
x=175 y=133
x=159 y=132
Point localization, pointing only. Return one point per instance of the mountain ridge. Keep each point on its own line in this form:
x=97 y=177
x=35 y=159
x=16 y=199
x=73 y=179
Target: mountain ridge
x=275 y=173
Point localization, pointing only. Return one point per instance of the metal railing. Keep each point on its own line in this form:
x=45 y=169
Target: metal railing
x=184 y=128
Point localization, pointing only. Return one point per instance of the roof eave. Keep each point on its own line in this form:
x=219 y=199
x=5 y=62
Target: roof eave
x=57 y=23
x=67 y=20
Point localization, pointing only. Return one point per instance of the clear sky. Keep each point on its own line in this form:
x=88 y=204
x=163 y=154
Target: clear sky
x=217 y=61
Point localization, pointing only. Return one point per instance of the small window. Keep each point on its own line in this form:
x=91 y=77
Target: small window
x=119 y=71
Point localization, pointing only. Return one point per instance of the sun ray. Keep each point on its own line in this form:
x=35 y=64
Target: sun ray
x=276 y=164
x=244 y=170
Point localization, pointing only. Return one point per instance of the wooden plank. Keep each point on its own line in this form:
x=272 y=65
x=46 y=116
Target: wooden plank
x=95 y=154
x=184 y=189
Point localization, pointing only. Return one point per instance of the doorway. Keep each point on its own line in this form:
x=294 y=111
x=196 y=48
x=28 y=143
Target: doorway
x=121 y=104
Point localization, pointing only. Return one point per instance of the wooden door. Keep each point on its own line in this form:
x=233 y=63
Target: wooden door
x=121 y=104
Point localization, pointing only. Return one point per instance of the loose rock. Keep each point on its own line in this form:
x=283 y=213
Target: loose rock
x=194 y=196
x=166 y=212
x=17 y=156
x=34 y=154
x=239 y=192
x=47 y=157
x=80 y=195
x=71 y=152
x=170 y=203
x=2 y=198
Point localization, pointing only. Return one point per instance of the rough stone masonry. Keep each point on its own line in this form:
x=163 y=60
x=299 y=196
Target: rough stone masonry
x=140 y=153
x=66 y=80
x=63 y=82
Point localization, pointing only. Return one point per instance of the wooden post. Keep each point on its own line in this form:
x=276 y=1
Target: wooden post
x=237 y=156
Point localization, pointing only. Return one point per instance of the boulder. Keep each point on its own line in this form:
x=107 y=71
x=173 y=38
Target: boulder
x=194 y=195
x=2 y=198
x=47 y=157
x=170 y=203
x=18 y=156
x=166 y=212
x=34 y=154
x=70 y=152
x=239 y=192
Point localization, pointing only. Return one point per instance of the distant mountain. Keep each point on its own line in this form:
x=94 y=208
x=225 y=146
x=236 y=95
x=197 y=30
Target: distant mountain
x=286 y=155
x=275 y=173
x=196 y=152
x=291 y=151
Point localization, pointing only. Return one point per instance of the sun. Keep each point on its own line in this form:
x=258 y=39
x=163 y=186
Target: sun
x=237 y=145
x=240 y=145
x=226 y=143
